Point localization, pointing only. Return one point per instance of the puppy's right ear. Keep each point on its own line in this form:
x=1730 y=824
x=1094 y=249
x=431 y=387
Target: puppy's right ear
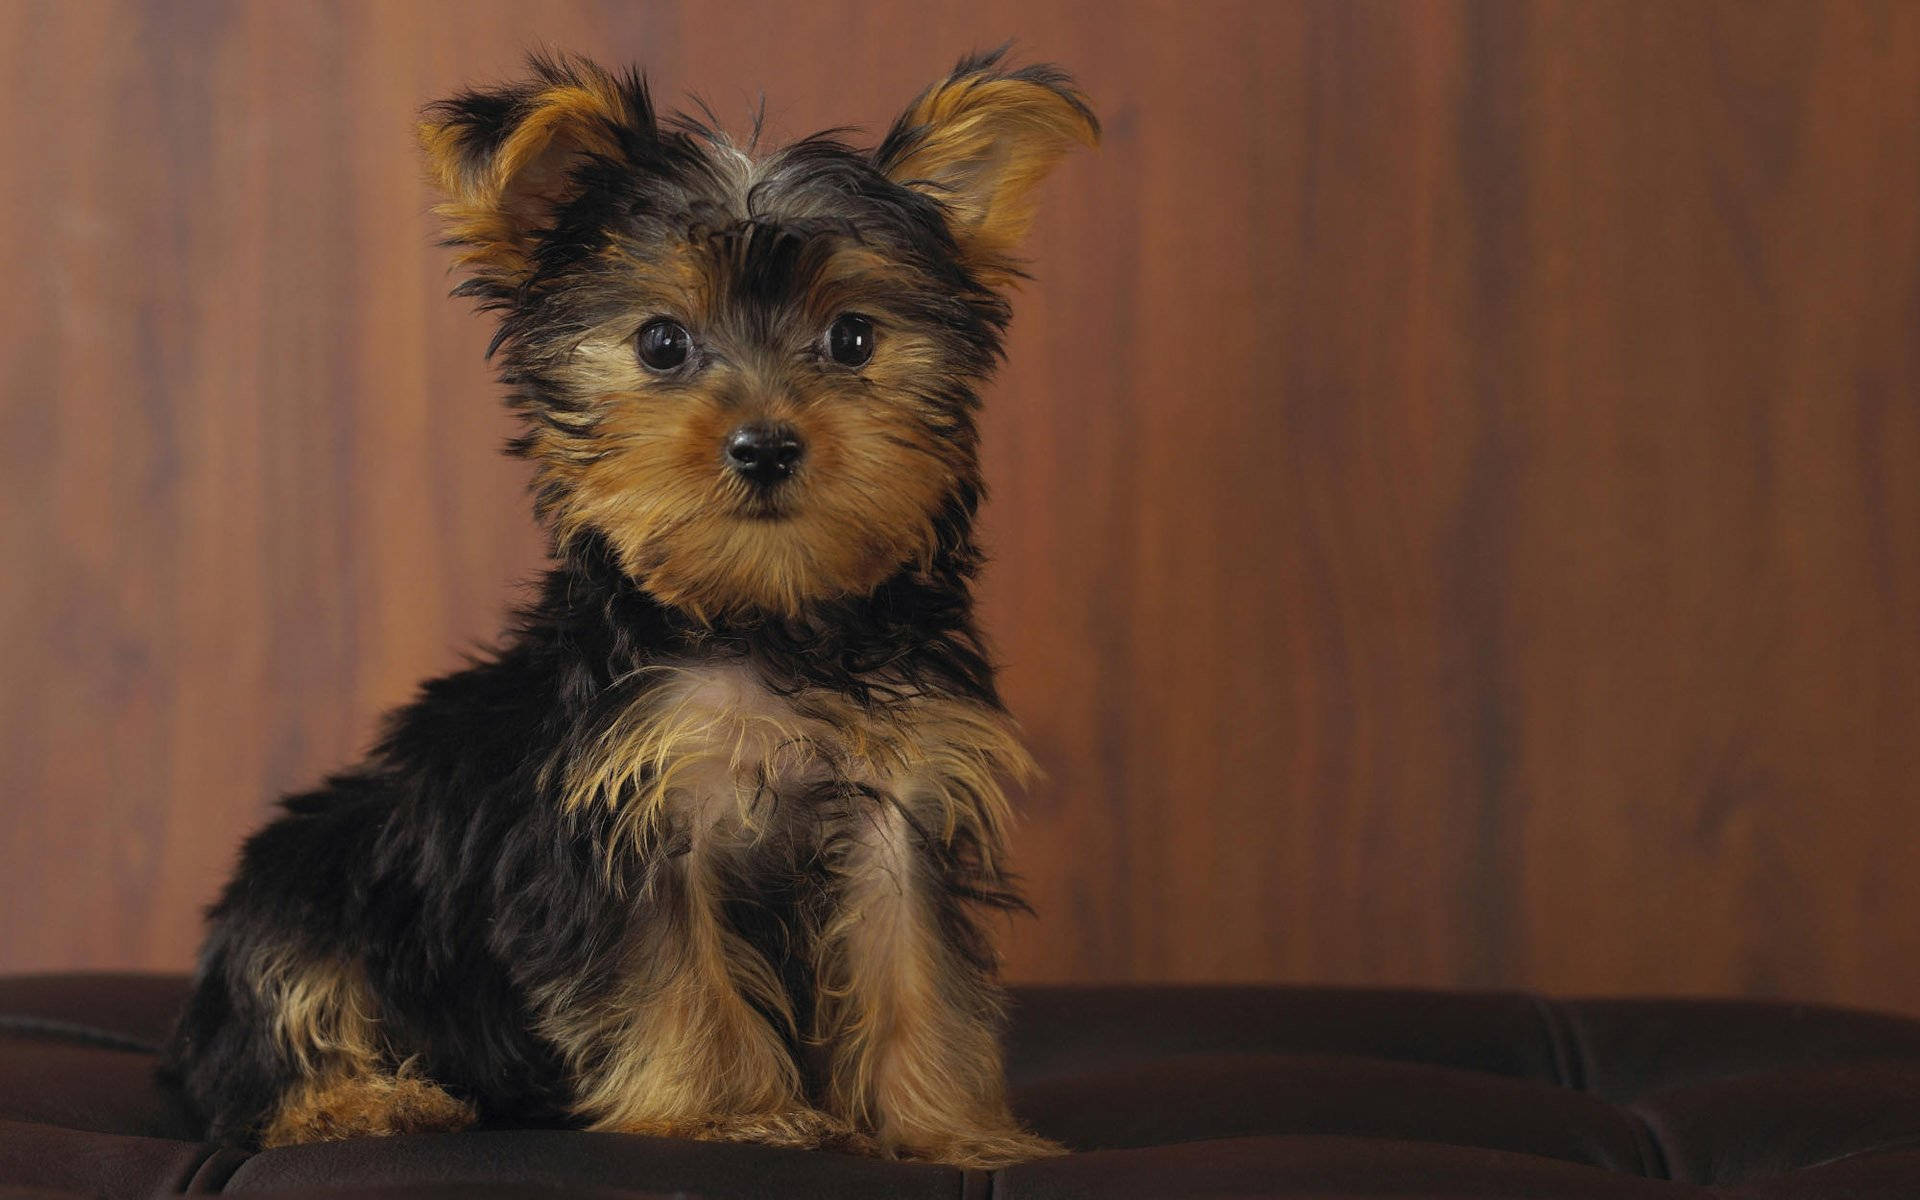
x=506 y=158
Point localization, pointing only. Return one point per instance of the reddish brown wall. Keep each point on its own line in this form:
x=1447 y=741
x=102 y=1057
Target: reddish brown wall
x=1457 y=485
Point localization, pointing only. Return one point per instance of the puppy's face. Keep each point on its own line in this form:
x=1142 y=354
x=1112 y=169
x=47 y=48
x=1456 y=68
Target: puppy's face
x=752 y=375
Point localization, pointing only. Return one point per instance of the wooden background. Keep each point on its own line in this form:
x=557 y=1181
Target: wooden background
x=1457 y=487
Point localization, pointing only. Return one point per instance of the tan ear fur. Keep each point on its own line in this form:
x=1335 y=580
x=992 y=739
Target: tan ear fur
x=980 y=143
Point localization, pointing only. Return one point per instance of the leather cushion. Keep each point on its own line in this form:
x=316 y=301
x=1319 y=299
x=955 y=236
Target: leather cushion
x=1161 y=1091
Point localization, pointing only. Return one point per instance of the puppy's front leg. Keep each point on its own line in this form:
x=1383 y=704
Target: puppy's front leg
x=912 y=1019
x=684 y=1046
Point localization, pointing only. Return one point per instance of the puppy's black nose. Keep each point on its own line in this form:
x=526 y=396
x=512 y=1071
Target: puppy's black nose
x=765 y=454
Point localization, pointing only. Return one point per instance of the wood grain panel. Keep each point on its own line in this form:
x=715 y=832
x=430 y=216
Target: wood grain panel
x=1457 y=481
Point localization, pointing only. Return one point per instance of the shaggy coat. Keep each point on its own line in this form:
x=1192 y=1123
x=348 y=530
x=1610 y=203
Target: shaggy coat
x=701 y=849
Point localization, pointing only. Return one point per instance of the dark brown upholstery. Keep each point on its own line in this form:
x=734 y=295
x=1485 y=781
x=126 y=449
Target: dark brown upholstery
x=1162 y=1091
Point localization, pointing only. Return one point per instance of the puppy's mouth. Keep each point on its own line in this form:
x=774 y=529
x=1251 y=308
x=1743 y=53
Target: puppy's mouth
x=768 y=504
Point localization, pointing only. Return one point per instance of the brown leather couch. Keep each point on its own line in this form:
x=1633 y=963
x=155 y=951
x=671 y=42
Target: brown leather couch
x=1161 y=1091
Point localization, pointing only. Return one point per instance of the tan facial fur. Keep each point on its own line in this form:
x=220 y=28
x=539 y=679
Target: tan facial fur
x=650 y=473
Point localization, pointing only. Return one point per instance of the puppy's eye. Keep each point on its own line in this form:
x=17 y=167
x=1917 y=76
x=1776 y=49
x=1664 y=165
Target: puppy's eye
x=663 y=344
x=850 y=340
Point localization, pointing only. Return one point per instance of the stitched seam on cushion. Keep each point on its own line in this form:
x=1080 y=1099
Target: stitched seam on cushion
x=1903 y=1143
x=1654 y=1149
x=1399 y=1138
x=183 y=1182
x=48 y=1029
x=1654 y=1163
x=215 y=1170
x=1569 y=1063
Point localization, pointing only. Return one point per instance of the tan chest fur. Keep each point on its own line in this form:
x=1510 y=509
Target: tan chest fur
x=712 y=747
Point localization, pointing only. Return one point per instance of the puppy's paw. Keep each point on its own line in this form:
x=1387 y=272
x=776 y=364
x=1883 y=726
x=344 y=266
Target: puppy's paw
x=795 y=1128
x=983 y=1149
x=366 y=1106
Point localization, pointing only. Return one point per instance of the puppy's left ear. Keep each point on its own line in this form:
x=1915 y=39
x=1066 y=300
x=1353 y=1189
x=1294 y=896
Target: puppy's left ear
x=980 y=143
x=508 y=158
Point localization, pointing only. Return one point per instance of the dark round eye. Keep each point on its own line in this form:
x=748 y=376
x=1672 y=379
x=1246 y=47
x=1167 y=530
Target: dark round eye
x=850 y=340
x=663 y=344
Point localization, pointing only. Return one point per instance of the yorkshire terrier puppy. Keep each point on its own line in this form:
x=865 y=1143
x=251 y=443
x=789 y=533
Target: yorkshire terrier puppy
x=702 y=850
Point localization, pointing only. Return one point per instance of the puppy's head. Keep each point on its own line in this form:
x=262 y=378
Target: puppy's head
x=752 y=374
